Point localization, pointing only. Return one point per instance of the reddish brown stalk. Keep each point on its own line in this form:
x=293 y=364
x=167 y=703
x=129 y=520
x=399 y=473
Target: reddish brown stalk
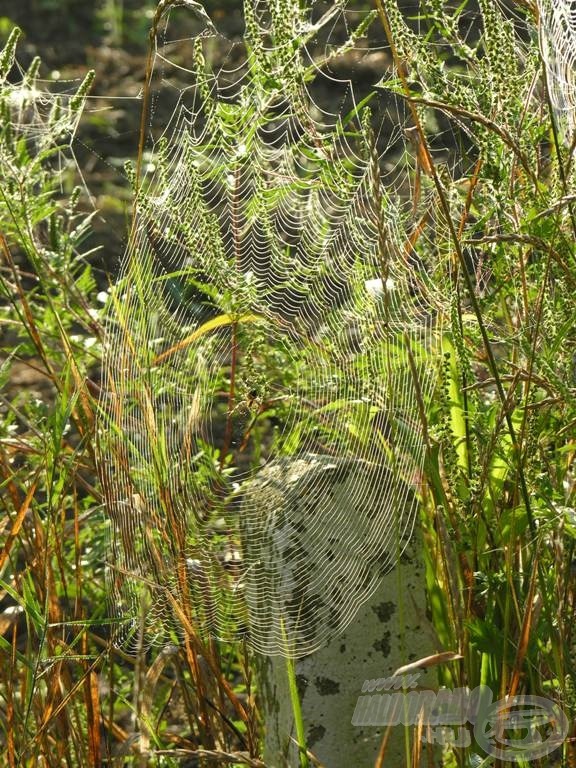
x=10 y=746
x=27 y=315
x=92 y=700
x=234 y=331
x=17 y=523
x=6 y=479
x=526 y=626
x=231 y=395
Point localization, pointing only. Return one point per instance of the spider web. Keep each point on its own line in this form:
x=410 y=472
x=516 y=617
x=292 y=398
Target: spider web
x=39 y=117
x=266 y=353
x=558 y=49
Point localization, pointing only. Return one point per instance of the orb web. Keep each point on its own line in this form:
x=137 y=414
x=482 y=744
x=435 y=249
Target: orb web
x=558 y=48
x=266 y=351
x=39 y=118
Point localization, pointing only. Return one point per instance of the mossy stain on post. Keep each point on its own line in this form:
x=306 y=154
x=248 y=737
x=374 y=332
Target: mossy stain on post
x=326 y=687
x=384 y=610
x=315 y=734
x=383 y=645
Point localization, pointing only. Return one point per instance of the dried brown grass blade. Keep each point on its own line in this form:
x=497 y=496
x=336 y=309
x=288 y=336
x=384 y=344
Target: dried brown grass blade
x=428 y=661
x=17 y=523
x=93 y=705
